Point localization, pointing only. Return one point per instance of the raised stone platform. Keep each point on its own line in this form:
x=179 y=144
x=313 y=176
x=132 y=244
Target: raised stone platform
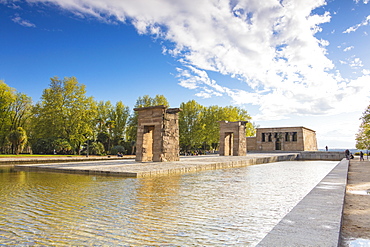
x=131 y=168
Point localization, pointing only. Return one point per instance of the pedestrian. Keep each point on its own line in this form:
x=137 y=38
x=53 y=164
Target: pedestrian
x=347 y=154
x=326 y=148
x=361 y=156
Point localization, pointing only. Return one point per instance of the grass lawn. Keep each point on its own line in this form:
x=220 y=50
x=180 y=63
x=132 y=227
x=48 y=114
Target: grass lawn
x=34 y=155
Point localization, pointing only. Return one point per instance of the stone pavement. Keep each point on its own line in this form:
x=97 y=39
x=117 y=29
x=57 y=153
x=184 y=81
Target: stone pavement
x=356 y=214
x=316 y=220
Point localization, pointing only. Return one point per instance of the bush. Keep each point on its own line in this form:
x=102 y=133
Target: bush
x=43 y=146
x=118 y=149
x=97 y=148
x=62 y=146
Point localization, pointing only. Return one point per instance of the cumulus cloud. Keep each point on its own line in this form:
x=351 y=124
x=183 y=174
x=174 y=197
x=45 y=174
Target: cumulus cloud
x=23 y=22
x=269 y=45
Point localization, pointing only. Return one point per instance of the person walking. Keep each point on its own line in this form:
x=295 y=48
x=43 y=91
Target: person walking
x=347 y=154
x=361 y=156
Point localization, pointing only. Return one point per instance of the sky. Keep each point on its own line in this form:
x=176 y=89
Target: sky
x=287 y=62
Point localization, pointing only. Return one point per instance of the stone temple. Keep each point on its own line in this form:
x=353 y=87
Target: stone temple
x=283 y=139
x=157 y=134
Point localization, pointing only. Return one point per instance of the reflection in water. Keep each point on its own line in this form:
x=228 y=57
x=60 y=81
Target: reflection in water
x=222 y=207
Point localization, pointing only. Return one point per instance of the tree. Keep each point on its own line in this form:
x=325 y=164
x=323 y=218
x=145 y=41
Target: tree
x=191 y=125
x=199 y=125
x=119 y=115
x=64 y=112
x=7 y=97
x=20 y=110
x=144 y=101
x=15 y=110
x=363 y=135
x=18 y=139
x=61 y=146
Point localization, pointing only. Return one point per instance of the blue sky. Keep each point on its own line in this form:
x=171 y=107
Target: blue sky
x=289 y=63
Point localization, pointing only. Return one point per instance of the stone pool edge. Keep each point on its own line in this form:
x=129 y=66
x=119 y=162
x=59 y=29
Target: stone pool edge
x=317 y=219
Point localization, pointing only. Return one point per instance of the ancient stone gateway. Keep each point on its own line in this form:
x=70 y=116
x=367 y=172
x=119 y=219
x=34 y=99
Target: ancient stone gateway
x=233 y=141
x=157 y=134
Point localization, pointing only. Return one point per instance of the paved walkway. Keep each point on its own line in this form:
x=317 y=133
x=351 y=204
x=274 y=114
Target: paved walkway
x=316 y=219
x=356 y=214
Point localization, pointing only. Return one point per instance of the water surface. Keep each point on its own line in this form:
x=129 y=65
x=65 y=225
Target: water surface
x=235 y=207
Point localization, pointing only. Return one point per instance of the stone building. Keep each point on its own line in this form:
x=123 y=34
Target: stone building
x=233 y=141
x=157 y=134
x=283 y=139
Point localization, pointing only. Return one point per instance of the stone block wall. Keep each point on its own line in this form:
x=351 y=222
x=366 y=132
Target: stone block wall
x=157 y=134
x=233 y=141
x=283 y=139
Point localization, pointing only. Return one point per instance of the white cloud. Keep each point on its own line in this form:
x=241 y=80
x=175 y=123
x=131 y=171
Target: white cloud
x=23 y=22
x=348 y=48
x=355 y=27
x=270 y=45
x=356 y=63
x=364 y=1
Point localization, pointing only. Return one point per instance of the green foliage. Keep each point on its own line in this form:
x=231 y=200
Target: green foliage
x=191 y=125
x=65 y=118
x=61 y=146
x=118 y=149
x=14 y=112
x=18 y=139
x=43 y=146
x=144 y=101
x=64 y=112
x=112 y=121
x=199 y=127
x=363 y=135
x=96 y=148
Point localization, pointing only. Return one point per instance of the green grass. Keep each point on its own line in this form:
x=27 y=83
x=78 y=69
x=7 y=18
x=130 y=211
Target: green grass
x=34 y=155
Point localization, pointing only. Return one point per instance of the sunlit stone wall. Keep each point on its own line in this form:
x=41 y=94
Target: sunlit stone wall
x=283 y=139
x=233 y=140
x=157 y=134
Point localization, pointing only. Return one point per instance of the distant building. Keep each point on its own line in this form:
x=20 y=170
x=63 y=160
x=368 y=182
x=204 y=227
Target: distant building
x=283 y=139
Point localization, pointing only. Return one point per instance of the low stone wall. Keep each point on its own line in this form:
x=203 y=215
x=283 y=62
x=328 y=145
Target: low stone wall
x=316 y=220
x=310 y=155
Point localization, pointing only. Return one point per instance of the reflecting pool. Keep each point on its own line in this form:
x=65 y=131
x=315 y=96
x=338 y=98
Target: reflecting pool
x=235 y=207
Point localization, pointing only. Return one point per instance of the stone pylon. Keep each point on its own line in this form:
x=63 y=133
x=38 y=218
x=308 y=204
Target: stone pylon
x=157 y=134
x=233 y=140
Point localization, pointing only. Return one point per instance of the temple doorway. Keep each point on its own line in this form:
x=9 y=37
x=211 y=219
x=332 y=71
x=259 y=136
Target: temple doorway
x=148 y=142
x=229 y=141
x=278 y=144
